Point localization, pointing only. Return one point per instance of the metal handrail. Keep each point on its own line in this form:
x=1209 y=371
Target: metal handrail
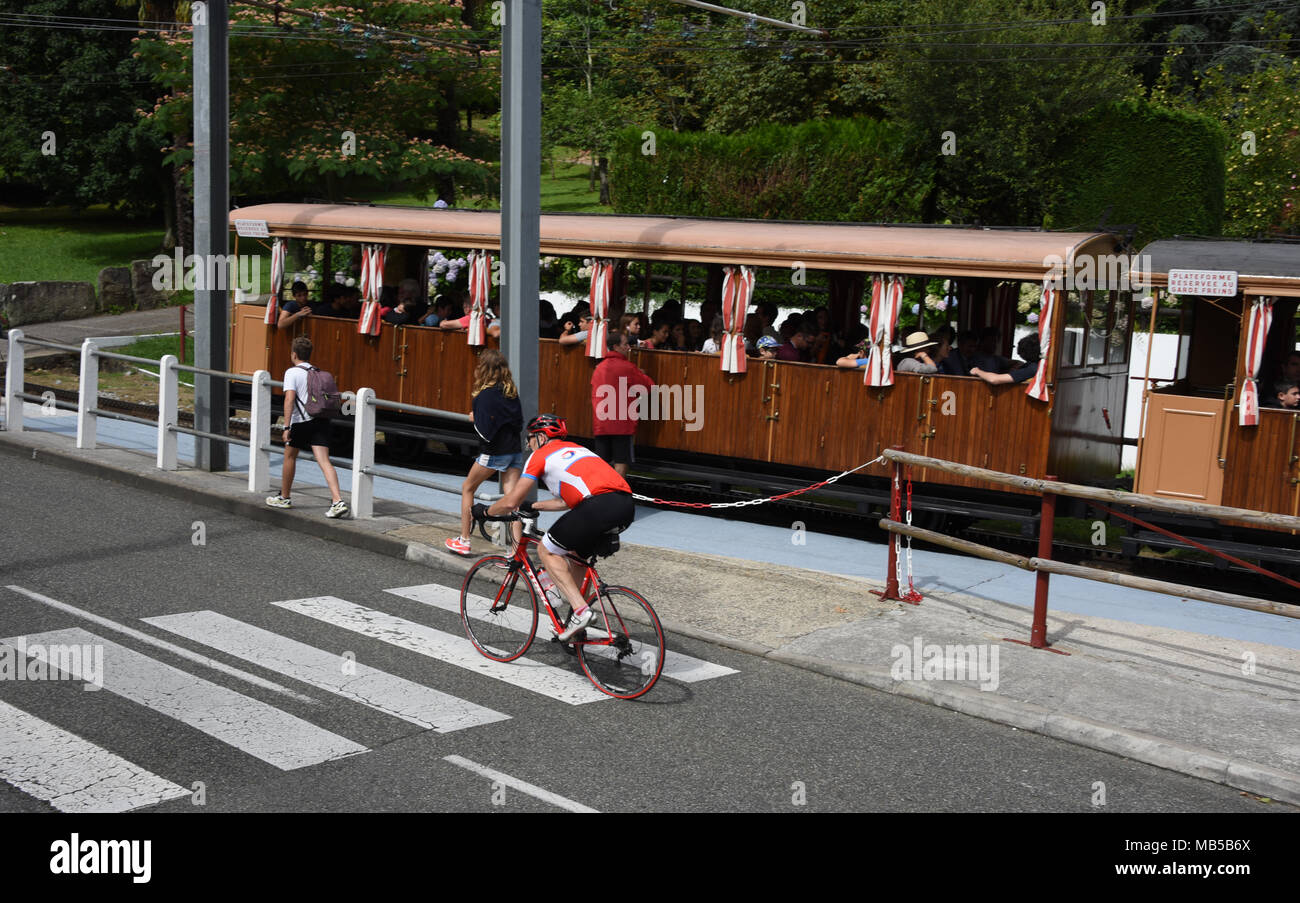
x=125 y=357
x=114 y=415
x=26 y=341
x=416 y=409
x=205 y=435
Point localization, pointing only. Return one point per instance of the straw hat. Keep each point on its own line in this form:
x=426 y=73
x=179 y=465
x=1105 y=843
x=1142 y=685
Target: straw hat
x=917 y=341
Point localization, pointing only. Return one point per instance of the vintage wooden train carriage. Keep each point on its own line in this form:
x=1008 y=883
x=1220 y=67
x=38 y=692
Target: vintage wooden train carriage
x=778 y=415
x=1238 y=323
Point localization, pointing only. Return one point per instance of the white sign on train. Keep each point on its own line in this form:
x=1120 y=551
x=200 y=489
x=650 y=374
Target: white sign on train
x=1205 y=283
x=251 y=228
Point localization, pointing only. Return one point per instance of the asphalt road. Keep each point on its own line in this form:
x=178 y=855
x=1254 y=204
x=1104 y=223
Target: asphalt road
x=766 y=738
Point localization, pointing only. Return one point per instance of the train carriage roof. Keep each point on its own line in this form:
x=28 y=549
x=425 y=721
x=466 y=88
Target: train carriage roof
x=930 y=250
x=1262 y=267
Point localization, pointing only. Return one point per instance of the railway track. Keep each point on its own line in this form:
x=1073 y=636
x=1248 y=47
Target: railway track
x=814 y=515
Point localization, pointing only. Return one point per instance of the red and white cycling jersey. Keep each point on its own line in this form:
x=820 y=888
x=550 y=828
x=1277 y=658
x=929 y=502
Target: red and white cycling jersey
x=573 y=472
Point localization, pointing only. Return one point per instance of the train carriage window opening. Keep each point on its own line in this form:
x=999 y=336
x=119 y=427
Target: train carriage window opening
x=1076 y=326
x=1098 y=320
x=1120 y=328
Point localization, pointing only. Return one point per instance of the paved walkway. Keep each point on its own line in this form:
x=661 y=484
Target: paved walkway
x=74 y=332
x=1200 y=689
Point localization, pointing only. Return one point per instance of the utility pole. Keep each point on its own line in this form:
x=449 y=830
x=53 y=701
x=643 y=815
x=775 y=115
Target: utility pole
x=211 y=21
x=521 y=192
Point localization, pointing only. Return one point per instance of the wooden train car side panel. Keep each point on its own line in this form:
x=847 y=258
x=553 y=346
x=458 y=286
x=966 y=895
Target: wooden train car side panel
x=1262 y=468
x=995 y=427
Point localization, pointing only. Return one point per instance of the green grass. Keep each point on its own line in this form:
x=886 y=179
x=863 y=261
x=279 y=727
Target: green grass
x=59 y=245
x=156 y=346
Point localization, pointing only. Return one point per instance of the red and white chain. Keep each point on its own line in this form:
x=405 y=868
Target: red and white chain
x=774 y=498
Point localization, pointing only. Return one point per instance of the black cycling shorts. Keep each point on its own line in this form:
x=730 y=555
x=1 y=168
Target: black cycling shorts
x=580 y=530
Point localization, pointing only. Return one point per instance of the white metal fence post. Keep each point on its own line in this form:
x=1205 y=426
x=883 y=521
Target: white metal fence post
x=88 y=396
x=259 y=434
x=363 y=455
x=14 y=376
x=168 y=401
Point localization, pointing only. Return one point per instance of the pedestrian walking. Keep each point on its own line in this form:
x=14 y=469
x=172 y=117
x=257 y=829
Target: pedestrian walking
x=303 y=431
x=613 y=383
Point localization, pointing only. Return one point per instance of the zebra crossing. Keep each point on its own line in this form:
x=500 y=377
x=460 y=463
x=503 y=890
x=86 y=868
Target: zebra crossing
x=48 y=761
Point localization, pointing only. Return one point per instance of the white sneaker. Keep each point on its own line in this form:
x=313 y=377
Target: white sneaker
x=338 y=509
x=279 y=501
x=576 y=623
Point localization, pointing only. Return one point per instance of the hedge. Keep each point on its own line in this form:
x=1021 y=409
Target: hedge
x=856 y=170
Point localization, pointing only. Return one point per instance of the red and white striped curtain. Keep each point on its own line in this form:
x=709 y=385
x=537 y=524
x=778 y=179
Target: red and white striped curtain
x=602 y=283
x=277 y=280
x=1261 y=318
x=372 y=283
x=737 y=290
x=886 y=301
x=480 y=284
x=1037 y=387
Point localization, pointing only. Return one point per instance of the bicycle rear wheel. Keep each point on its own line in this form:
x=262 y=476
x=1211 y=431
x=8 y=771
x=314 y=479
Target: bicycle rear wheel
x=498 y=608
x=629 y=666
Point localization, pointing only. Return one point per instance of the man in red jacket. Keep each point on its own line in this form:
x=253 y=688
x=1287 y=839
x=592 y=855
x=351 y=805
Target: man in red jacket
x=615 y=387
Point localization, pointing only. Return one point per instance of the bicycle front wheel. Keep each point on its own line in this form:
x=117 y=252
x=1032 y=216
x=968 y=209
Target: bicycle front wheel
x=628 y=666
x=498 y=608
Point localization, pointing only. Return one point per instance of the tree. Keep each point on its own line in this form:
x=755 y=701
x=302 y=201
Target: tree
x=983 y=86
x=69 y=97
x=357 y=99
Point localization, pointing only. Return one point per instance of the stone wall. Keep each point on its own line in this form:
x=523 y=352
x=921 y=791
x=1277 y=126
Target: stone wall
x=41 y=302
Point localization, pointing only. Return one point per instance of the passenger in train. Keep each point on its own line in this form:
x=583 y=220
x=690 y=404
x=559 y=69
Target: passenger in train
x=1286 y=395
x=914 y=354
x=630 y=326
x=946 y=336
x=296 y=309
x=404 y=311
x=570 y=337
x=1030 y=353
x=1290 y=370
x=753 y=331
x=767 y=311
x=678 y=340
x=798 y=347
x=713 y=344
x=658 y=336
x=766 y=348
x=694 y=335
x=443 y=308
x=960 y=359
x=987 y=357
x=498 y=419
x=493 y=320
x=548 y=322
x=334 y=302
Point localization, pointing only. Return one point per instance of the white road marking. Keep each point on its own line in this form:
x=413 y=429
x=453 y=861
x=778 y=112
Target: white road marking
x=685 y=668
x=163 y=644
x=72 y=774
x=261 y=730
x=522 y=786
x=570 y=687
x=377 y=689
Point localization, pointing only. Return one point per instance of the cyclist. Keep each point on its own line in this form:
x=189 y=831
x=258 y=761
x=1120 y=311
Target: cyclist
x=598 y=499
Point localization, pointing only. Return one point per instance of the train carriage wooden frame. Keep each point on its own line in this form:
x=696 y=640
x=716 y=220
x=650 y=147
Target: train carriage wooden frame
x=778 y=415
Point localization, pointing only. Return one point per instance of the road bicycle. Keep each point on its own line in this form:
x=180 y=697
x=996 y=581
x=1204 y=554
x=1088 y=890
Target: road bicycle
x=621 y=651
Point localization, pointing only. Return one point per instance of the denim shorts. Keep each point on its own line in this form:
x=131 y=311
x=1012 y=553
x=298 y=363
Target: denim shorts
x=501 y=462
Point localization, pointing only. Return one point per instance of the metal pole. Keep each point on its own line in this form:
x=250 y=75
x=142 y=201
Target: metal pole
x=895 y=509
x=521 y=192
x=211 y=230
x=1046 y=528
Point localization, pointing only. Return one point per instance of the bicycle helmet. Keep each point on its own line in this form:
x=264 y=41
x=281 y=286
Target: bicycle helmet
x=548 y=425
